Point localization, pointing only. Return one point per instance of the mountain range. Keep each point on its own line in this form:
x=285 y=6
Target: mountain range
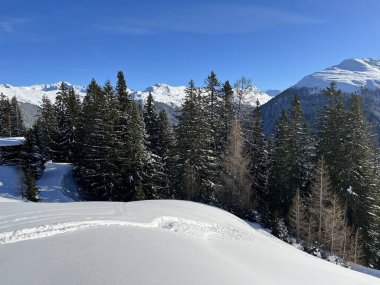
x=360 y=75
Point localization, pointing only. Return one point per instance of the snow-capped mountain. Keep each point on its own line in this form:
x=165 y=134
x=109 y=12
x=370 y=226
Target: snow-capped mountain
x=350 y=75
x=33 y=94
x=163 y=93
x=172 y=96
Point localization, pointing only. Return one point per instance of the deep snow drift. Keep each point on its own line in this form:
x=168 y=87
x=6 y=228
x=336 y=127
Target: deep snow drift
x=150 y=242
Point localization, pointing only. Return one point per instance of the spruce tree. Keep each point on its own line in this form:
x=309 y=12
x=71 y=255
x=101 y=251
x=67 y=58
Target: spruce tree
x=227 y=115
x=94 y=145
x=257 y=149
x=196 y=160
x=279 y=176
x=17 y=128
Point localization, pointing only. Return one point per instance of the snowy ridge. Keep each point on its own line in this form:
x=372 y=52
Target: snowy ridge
x=173 y=224
x=33 y=94
x=150 y=242
x=170 y=95
x=350 y=75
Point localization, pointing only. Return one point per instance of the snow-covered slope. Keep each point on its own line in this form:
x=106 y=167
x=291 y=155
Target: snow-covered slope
x=57 y=183
x=350 y=75
x=172 y=96
x=150 y=242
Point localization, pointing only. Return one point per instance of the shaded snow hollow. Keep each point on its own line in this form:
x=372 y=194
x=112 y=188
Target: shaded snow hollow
x=57 y=183
x=150 y=242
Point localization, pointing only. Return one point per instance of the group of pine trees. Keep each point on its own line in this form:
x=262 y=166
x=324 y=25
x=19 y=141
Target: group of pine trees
x=321 y=182
x=11 y=123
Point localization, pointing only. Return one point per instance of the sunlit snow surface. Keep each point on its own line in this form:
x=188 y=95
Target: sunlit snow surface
x=150 y=242
x=350 y=75
x=173 y=96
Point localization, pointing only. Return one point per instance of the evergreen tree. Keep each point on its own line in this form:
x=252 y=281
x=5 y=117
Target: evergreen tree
x=17 y=128
x=5 y=116
x=213 y=106
x=47 y=127
x=196 y=171
x=28 y=185
x=292 y=158
x=227 y=115
x=33 y=157
x=94 y=144
x=257 y=150
x=345 y=141
x=166 y=150
x=279 y=176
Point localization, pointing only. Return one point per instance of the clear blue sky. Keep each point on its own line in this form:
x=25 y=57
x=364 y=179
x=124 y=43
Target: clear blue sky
x=274 y=42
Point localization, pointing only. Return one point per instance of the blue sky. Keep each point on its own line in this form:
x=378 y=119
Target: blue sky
x=274 y=42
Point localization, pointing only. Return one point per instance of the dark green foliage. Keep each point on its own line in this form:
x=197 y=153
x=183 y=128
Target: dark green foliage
x=291 y=161
x=345 y=142
x=11 y=122
x=28 y=185
x=257 y=150
x=196 y=161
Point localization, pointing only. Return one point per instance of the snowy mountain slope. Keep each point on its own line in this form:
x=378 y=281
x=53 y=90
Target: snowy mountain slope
x=172 y=96
x=57 y=183
x=150 y=242
x=350 y=75
x=33 y=94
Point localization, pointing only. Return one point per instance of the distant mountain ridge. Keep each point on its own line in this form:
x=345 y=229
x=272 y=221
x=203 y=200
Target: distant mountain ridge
x=350 y=75
x=361 y=76
x=172 y=96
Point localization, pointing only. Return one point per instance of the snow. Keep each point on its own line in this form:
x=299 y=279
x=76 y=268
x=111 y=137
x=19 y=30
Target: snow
x=33 y=94
x=350 y=75
x=351 y=192
x=171 y=95
x=11 y=141
x=150 y=242
x=57 y=183
x=10 y=182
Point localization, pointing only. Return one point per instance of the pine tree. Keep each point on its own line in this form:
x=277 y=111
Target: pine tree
x=166 y=150
x=257 y=150
x=17 y=128
x=196 y=160
x=28 y=185
x=279 y=177
x=33 y=158
x=5 y=116
x=213 y=106
x=346 y=143
x=155 y=181
x=291 y=159
x=94 y=144
x=47 y=128
x=235 y=194
x=227 y=115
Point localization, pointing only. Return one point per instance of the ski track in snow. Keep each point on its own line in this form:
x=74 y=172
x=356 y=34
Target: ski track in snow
x=172 y=224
